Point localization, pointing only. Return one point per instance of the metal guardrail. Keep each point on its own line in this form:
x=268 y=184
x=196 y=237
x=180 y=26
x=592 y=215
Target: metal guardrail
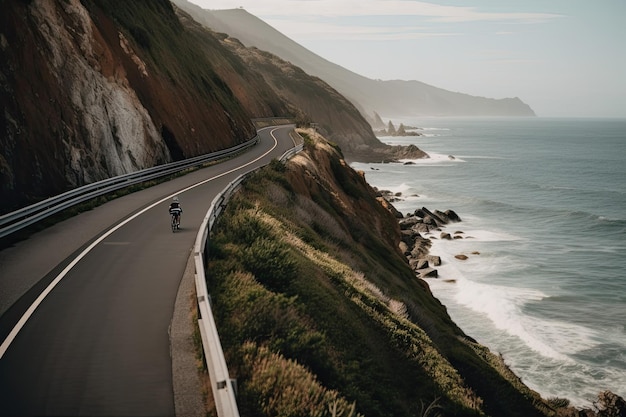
x=19 y=219
x=222 y=385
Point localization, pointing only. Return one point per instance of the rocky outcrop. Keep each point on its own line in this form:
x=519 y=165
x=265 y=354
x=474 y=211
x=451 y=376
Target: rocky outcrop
x=402 y=130
x=415 y=246
x=93 y=89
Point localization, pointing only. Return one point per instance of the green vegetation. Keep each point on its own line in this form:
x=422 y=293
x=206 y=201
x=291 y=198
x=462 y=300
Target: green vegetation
x=320 y=315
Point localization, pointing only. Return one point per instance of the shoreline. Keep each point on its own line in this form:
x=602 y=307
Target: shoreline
x=418 y=229
x=525 y=294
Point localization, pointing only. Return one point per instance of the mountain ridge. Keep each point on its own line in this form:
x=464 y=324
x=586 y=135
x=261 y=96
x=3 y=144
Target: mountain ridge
x=385 y=97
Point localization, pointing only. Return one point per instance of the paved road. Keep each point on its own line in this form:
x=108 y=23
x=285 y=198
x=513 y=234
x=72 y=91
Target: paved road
x=98 y=343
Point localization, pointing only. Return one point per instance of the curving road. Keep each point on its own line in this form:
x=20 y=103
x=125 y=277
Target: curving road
x=98 y=343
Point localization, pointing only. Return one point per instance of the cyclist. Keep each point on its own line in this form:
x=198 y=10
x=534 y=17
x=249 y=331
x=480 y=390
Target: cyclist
x=176 y=210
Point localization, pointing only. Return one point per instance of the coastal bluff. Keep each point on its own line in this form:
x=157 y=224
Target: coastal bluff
x=317 y=304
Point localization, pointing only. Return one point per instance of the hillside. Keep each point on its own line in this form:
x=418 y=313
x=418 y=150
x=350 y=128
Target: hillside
x=385 y=97
x=316 y=305
x=100 y=88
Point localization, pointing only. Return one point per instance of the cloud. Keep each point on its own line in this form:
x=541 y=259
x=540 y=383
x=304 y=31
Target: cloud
x=339 y=8
x=346 y=19
x=326 y=31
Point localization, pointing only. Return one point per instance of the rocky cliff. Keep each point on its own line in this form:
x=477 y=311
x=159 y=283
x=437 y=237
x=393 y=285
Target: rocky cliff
x=90 y=90
x=317 y=306
x=96 y=88
x=319 y=310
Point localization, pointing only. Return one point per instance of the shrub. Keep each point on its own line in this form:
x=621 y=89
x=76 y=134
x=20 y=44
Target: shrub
x=277 y=165
x=270 y=263
x=282 y=387
x=244 y=229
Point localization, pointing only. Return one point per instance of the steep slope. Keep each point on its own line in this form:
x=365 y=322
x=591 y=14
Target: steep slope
x=314 y=100
x=388 y=98
x=92 y=92
x=317 y=307
x=99 y=88
x=309 y=99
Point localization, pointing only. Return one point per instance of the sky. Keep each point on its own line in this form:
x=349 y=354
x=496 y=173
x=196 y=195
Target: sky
x=564 y=58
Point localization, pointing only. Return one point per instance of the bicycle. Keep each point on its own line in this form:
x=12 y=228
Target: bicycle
x=175 y=221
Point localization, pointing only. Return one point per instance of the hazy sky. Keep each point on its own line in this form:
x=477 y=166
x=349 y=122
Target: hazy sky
x=562 y=57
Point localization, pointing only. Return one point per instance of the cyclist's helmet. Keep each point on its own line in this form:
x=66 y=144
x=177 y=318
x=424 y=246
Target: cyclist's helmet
x=175 y=199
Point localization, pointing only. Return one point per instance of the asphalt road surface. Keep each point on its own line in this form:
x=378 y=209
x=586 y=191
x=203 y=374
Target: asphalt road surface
x=98 y=342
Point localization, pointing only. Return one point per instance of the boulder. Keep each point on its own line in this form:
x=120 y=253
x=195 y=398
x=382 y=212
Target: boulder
x=409 y=222
x=408 y=235
x=442 y=216
x=428 y=273
x=422 y=228
x=610 y=405
x=433 y=215
x=461 y=257
x=433 y=260
x=452 y=216
x=419 y=213
x=445 y=235
x=430 y=220
x=420 y=249
x=404 y=248
x=420 y=264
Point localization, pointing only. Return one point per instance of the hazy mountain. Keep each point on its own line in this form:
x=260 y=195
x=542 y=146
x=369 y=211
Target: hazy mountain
x=389 y=98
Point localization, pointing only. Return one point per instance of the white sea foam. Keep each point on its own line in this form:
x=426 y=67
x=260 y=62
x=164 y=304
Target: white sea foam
x=546 y=286
x=503 y=304
x=400 y=188
x=486 y=235
x=434 y=158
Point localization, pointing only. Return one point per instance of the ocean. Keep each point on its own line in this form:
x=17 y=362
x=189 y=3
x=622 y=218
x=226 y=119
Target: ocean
x=543 y=209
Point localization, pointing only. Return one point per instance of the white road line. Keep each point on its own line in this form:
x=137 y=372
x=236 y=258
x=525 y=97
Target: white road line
x=22 y=321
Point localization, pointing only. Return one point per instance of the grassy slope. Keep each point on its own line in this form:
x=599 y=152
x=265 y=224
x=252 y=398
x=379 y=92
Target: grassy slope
x=316 y=306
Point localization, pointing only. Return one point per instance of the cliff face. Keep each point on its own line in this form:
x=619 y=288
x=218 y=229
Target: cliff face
x=101 y=88
x=69 y=115
x=96 y=88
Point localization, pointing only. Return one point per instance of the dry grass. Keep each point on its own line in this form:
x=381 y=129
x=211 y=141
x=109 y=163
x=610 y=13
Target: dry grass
x=390 y=314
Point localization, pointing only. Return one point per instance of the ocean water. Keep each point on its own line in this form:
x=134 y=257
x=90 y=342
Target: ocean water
x=543 y=209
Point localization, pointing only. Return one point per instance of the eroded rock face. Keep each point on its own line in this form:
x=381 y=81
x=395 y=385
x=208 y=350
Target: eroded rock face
x=73 y=116
x=83 y=100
